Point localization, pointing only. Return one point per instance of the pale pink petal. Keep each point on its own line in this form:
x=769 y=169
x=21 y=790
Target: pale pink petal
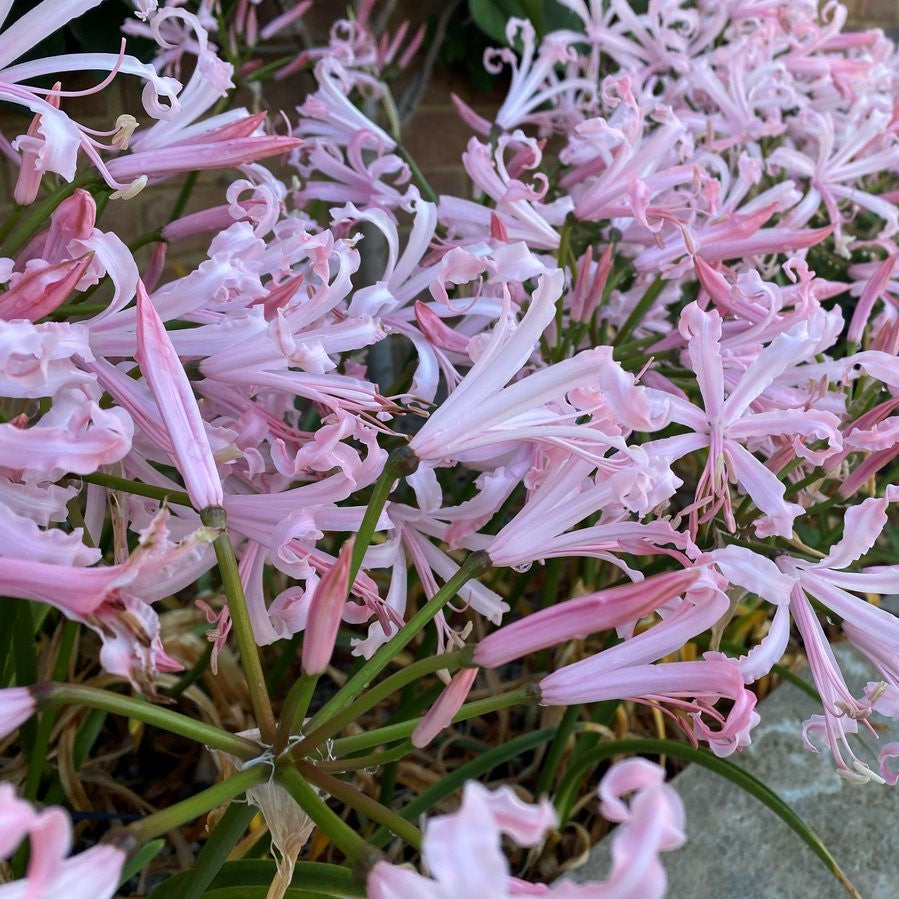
x=17 y=705
x=766 y=491
x=754 y=572
x=577 y=618
x=863 y=524
x=171 y=389
x=441 y=713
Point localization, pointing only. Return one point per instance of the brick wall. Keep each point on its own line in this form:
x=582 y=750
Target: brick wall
x=874 y=14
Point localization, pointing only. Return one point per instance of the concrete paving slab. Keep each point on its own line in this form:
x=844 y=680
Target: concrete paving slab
x=738 y=848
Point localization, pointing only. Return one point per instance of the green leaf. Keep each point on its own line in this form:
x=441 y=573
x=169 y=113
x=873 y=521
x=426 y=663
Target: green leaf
x=192 y=883
x=262 y=893
x=559 y=18
x=742 y=778
x=142 y=857
x=491 y=16
x=242 y=879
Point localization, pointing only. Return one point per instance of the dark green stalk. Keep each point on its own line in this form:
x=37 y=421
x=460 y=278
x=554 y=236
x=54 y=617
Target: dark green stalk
x=640 y=310
x=524 y=695
x=379 y=693
x=295 y=707
x=167 y=819
x=357 y=800
x=551 y=764
x=402 y=461
x=111 y=482
x=241 y=625
x=139 y=709
x=476 y=564
x=338 y=831
x=228 y=831
x=420 y=179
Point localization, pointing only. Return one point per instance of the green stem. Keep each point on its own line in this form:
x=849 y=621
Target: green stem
x=144 y=239
x=476 y=767
x=339 y=832
x=174 y=722
x=420 y=179
x=476 y=564
x=111 y=482
x=356 y=799
x=269 y=69
x=377 y=694
x=184 y=196
x=294 y=709
x=524 y=695
x=189 y=678
x=640 y=310
x=374 y=760
x=167 y=819
x=66 y=310
x=25 y=660
x=402 y=461
x=38 y=761
x=241 y=625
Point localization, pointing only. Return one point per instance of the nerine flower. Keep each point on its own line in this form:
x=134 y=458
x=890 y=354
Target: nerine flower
x=481 y=412
x=54 y=142
x=463 y=852
x=793 y=583
x=114 y=600
x=166 y=379
x=688 y=689
x=725 y=423
x=92 y=874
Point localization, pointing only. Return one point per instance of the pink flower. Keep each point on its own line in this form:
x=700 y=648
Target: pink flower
x=210 y=151
x=441 y=713
x=330 y=114
x=791 y=582
x=75 y=436
x=115 y=600
x=519 y=206
x=167 y=381
x=669 y=684
x=53 y=141
x=93 y=874
x=325 y=611
x=577 y=618
x=483 y=413
x=726 y=423
x=17 y=705
x=535 y=80
x=652 y=822
x=41 y=289
x=462 y=851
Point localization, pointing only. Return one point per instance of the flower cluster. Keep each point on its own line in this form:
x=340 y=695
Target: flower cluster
x=655 y=351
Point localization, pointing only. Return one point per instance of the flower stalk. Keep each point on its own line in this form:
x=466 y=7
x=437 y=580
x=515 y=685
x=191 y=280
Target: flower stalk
x=163 y=821
x=477 y=563
x=49 y=694
x=240 y=621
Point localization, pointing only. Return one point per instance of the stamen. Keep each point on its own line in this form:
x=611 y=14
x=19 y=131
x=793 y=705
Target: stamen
x=132 y=190
x=126 y=125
